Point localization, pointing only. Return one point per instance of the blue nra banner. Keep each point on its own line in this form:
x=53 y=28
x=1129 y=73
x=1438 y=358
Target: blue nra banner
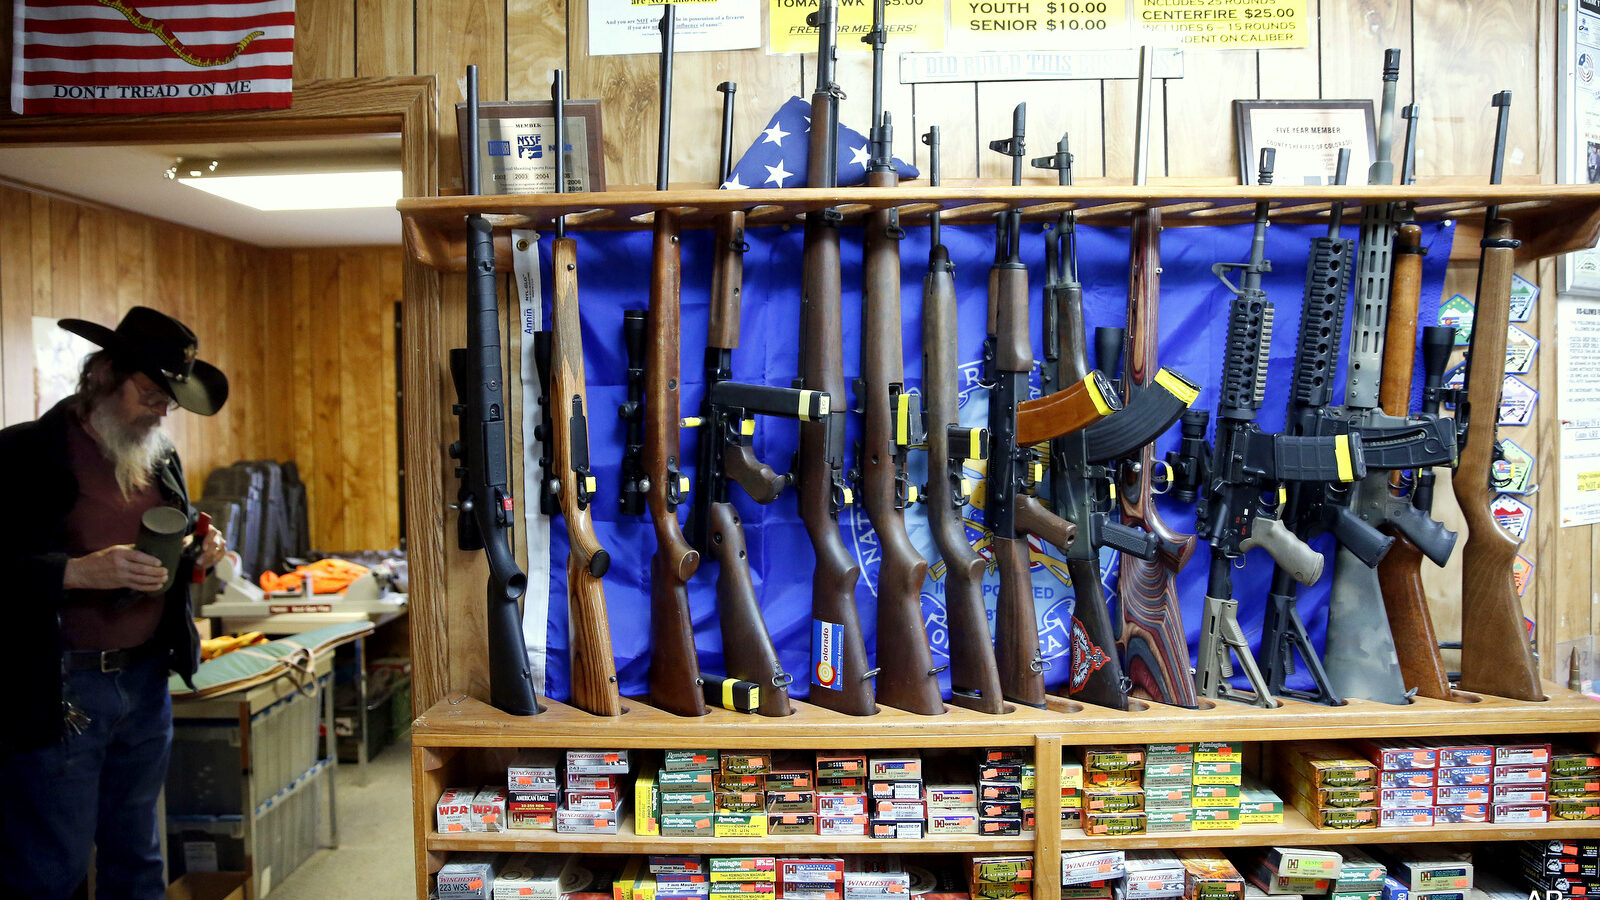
x=614 y=274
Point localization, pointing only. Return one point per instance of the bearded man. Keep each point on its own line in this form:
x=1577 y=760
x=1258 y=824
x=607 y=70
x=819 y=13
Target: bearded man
x=84 y=754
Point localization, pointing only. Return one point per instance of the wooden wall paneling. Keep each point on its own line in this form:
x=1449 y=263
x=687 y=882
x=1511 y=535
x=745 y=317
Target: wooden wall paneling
x=385 y=36
x=1054 y=107
x=1119 y=104
x=39 y=253
x=327 y=408
x=1294 y=74
x=451 y=35
x=1469 y=52
x=954 y=108
x=16 y=311
x=1199 y=113
x=325 y=39
x=536 y=42
x=1559 y=599
x=626 y=87
x=391 y=294
x=304 y=365
x=366 y=410
x=854 y=75
x=764 y=82
x=1352 y=37
x=64 y=259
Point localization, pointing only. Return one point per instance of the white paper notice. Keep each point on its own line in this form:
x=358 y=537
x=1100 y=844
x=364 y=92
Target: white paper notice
x=617 y=26
x=1578 y=393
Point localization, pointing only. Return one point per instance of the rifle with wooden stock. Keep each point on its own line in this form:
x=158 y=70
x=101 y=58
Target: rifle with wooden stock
x=1011 y=511
x=483 y=501
x=1227 y=479
x=840 y=677
x=907 y=678
x=1080 y=484
x=727 y=425
x=974 y=673
x=1496 y=656
x=567 y=475
x=674 y=673
x=1359 y=652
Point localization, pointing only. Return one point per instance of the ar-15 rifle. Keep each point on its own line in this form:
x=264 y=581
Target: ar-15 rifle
x=907 y=678
x=726 y=427
x=840 y=678
x=484 y=505
x=1360 y=654
x=567 y=476
x=674 y=674
x=1241 y=464
x=1011 y=512
x=1304 y=511
x=974 y=674
x=1496 y=657
x=1080 y=486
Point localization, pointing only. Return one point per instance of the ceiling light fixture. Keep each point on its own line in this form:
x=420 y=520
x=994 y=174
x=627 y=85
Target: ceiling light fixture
x=293 y=184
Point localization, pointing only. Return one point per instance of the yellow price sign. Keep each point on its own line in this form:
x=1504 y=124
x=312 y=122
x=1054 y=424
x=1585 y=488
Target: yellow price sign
x=912 y=25
x=1013 y=24
x=1225 y=24
x=1589 y=481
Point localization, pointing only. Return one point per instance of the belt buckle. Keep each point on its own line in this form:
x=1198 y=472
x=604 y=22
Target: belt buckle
x=105 y=655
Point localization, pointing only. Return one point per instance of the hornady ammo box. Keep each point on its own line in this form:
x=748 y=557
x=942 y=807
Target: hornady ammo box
x=949 y=821
x=1455 y=754
x=1519 y=813
x=1464 y=776
x=1461 y=814
x=952 y=796
x=1520 y=793
x=1424 y=868
x=1522 y=754
x=893 y=790
x=1291 y=862
x=895 y=767
x=1398 y=754
x=1421 y=816
x=589 y=781
x=1521 y=774
x=897 y=829
x=1402 y=778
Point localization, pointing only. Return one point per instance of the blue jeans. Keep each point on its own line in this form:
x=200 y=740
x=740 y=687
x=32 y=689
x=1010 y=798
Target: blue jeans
x=96 y=789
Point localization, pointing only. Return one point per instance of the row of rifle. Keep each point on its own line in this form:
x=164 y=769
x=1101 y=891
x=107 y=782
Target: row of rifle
x=1074 y=468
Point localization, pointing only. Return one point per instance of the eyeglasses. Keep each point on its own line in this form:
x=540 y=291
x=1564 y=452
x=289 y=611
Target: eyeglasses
x=155 y=399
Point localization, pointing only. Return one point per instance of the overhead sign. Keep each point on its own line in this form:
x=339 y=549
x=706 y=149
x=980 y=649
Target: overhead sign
x=1034 y=65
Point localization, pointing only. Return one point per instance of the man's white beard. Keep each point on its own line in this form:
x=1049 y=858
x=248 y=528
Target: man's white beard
x=134 y=448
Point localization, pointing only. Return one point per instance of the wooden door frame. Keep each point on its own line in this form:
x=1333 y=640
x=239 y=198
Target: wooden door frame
x=407 y=105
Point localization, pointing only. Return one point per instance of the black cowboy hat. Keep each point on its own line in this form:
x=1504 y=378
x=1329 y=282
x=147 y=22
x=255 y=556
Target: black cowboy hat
x=164 y=349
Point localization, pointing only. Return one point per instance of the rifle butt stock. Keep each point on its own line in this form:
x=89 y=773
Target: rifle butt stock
x=1095 y=673
x=833 y=606
x=1411 y=623
x=1222 y=642
x=1153 y=645
x=511 y=688
x=1360 y=651
x=594 y=671
x=907 y=679
x=1016 y=627
x=747 y=649
x=674 y=673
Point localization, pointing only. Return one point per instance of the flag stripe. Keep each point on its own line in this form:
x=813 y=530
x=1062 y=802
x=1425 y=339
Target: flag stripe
x=133 y=76
x=210 y=8
x=272 y=100
x=183 y=28
x=39 y=59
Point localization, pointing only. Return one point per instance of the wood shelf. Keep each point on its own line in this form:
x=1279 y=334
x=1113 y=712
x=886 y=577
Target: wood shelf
x=1549 y=219
x=460 y=721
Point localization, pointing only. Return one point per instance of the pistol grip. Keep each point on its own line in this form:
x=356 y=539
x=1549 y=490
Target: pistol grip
x=1294 y=555
x=1123 y=538
x=756 y=477
x=1431 y=537
x=1366 y=543
x=1033 y=518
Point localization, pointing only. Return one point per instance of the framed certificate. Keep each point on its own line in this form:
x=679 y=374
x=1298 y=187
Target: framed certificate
x=514 y=146
x=1308 y=135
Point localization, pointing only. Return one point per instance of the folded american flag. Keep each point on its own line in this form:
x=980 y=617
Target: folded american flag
x=778 y=158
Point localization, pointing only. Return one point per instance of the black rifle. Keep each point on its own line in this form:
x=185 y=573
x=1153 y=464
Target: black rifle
x=727 y=425
x=1227 y=479
x=483 y=520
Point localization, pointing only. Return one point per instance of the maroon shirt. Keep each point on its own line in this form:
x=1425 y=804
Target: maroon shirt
x=102 y=517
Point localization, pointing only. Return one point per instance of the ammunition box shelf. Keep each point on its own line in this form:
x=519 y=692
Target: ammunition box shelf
x=1297 y=832
x=625 y=841
x=1549 y=219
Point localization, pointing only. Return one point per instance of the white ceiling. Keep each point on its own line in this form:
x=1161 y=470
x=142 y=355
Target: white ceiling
x=131 y=178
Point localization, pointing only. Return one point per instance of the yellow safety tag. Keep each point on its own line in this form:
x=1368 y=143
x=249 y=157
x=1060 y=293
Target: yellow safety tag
x=1341 y=459
x=1112 y=490
x=1185 y=392
x=966 y=487
x=902 y=420
x=727 y=693
x=747 y=427
x=1283 y=495
x=974 y=443
x=1092 y=382
x=589 y=484
x=1036 y=470
x=803 y=408
x=849 y=497
x=690 y=422
x=911 y=493
x=683 y=484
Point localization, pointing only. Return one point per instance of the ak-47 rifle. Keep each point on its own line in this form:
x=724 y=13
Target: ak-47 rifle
x=567 y=475
x=1228 y=478
x=1283 y=632
x=674 y=674
x=1359 y=653
x=1080 y=485
x=726 y=428
x=974 y=674
x=484 y=506
x=907 y=678
x=1011 y=511
x=840 y=678
x=1496 y=656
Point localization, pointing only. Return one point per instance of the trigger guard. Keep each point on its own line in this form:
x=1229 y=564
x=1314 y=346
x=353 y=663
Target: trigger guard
x=1165 y=481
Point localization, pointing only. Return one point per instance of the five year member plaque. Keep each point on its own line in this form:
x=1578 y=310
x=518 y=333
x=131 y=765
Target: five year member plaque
x=516 y=153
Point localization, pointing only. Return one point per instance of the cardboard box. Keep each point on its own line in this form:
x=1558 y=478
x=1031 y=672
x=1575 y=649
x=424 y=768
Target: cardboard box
x=1566 y=762
x=1421 y=867
x=1209 y=795
x=1113 y=800
x=895 y=767
x=1581 y=786
x=576 y=821
x=897 y=829
x=1325 y=764
x=646 y=802
x=676 y=864
x=1169 y=797
x=1169 y=751
x=792 y=802
x=790 y=777
x=1152 y=875
x=810 y=870
x=1009 y=867
x=1519 y=813
x=1173 y=770
x=1003 y=772
x=541 y=817
x=1528 y=754
x=894 y=790
x=453 y=810
x=597 y=762
x=1400 y=798
x=1111 y=824
x=1456 y=796
x=999 y=790
x=1333 y=798
x=1219 y=751
x=1259 y=804
x=1208 y=875
x=740 y=825
x=537 y=876
x=1394 y=890
x=1391 y=755
x=488 y=810
x=745 y=890
x=1091 y=865
x=687 y=760
x=952 y=796
x=842 y=804
x=1404 y=778
x=1461 y=814
x=1112 y=759
x=1167 y=821
x=745 y=762
x=674 y=825
x=1216 y=818
x=1421 y=816
x=1093 y=778
x=842 y=825
x=791 y=823
x=533 y=770
x=1358 y=872
x=899 y=810
x=743 y=868
x=841 y=764
x=1575 y=809
x=1465 y=776
x=952 y=822
x=1521 y=774
x=1000 y=826
x=467 y=876
x=1520 y=793
x=747 y=801
x=1453 y=753
x=1293 y=862
x=996 y=809
x=601 y=801
x=209 y=886
x=1219 y=772
x=688 y=780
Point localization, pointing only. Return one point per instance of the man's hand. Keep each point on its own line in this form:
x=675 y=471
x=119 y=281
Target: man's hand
x=211 y=550
x=115 y=567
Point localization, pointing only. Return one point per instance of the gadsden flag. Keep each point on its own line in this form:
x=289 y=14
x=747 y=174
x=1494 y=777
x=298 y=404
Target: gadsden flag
x=115 y=56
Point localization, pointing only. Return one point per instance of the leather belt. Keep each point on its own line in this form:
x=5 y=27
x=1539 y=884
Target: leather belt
x=109 y=660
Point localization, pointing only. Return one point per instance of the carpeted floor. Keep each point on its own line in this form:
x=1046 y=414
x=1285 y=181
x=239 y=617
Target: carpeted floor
x=374 y=858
